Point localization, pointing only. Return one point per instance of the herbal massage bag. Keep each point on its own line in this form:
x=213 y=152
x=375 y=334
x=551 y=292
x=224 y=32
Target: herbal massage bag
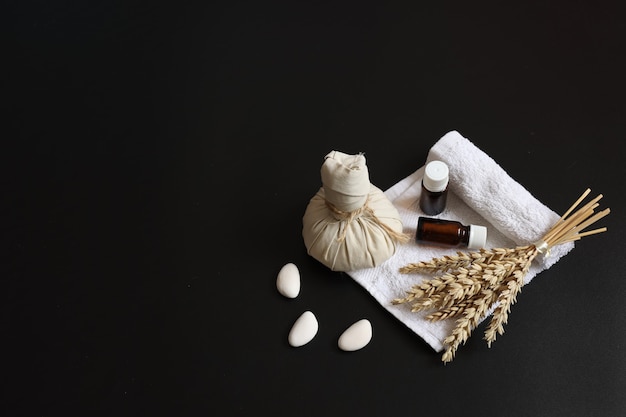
x=350 y=224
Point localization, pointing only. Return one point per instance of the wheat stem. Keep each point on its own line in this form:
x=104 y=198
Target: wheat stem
x=465 y=286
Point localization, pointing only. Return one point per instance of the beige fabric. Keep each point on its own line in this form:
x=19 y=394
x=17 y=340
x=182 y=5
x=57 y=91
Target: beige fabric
x=346 y=180
x=345 y=242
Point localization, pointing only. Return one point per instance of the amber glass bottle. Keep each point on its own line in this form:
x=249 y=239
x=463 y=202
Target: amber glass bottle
x=434 y=188
x=450 y=233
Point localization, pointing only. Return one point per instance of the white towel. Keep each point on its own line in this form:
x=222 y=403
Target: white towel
x=481 y=193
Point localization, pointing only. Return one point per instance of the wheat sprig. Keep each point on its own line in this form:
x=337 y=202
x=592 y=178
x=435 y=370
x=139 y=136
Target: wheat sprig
x=466 y=286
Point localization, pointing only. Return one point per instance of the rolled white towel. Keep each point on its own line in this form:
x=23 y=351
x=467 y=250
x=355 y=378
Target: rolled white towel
x=480 y=193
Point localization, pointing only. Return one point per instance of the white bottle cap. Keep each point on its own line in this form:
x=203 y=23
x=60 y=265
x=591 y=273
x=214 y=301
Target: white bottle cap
x=436 y=176
x=477 y=237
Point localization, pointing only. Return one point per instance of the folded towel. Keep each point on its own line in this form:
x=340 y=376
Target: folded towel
x=480 y=193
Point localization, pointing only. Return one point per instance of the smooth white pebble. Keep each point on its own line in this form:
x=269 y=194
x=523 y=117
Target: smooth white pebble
x=288 y=280
x=303 y=330
x=356 y=337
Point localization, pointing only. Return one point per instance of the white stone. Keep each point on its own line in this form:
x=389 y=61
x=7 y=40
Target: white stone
x=288 y=281
x=357 y=336
x=303 y=330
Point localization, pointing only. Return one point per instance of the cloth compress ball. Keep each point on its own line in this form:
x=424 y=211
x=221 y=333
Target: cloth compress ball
x=349 y=223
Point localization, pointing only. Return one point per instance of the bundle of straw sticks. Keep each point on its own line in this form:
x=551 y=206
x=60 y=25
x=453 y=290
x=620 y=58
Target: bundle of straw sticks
x=467 y=286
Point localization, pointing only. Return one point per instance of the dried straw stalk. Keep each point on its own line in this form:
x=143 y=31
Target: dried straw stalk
x=466 y=286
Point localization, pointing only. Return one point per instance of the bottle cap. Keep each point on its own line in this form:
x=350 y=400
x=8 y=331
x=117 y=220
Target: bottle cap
x=436 y=176
x=477 y=237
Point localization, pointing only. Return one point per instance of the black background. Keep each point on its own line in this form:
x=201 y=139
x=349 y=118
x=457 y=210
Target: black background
x=157 y=159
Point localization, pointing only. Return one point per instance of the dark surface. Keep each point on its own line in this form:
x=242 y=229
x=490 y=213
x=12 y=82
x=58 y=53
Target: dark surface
x=157 y=159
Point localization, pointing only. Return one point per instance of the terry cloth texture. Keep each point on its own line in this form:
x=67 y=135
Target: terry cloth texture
x=480 y=193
